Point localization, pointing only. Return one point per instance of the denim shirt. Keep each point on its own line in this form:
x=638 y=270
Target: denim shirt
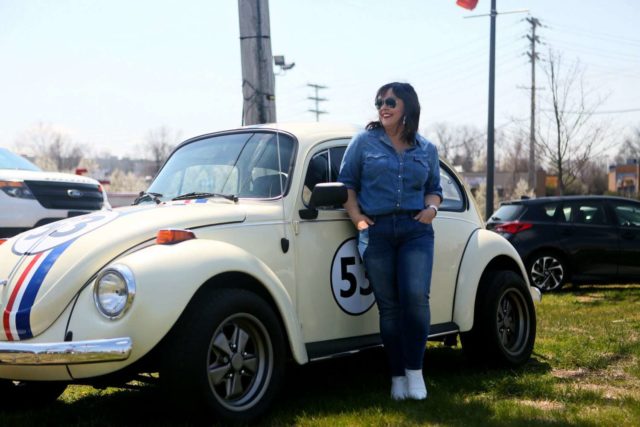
x=387 y=181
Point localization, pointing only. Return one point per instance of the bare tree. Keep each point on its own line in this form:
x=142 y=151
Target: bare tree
x=569 y=136
x=51 y=148
x=630 y=148
x=446 y=141
x=594 y=178
x=515 y=155
x=159 y=144
x=460 y=145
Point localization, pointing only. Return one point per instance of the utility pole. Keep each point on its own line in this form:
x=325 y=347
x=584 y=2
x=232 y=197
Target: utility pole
x=532 y=132
x=317 y=100
x=491 y=121
x=258 y=80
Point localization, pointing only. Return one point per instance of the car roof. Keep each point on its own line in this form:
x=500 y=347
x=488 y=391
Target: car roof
x=551 y=199
x=306 y=132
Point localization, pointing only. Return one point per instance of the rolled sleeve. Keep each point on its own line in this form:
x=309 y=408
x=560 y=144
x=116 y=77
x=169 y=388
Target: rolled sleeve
x=432 y=186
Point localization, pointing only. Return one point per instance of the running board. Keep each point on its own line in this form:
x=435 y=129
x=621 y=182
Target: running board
x=320 y=350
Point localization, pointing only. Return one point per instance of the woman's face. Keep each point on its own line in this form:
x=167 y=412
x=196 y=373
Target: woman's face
x=391 y=118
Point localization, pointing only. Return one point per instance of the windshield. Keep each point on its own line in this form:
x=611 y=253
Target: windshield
x=248 y=165
x=8 y=160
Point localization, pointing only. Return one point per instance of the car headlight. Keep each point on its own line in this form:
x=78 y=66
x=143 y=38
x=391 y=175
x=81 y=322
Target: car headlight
x=114 y=290
x=16 y=189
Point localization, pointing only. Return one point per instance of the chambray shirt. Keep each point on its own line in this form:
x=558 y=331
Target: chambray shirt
x=386 y=181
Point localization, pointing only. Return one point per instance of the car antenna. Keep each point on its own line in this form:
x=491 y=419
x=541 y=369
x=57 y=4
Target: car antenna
x=284 y=241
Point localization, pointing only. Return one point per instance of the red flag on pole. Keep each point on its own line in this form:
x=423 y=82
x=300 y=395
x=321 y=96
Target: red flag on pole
x=467 y=4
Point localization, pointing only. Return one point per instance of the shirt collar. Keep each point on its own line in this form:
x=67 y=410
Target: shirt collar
x=382 y=136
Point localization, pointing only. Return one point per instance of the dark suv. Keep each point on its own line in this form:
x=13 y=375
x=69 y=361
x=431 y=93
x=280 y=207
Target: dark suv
x=577 y=239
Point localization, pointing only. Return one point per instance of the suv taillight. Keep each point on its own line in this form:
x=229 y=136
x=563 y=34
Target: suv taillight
x=513 y=227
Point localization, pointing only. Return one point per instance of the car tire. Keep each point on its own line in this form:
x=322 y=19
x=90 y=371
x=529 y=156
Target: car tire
x=504 y=328
x=227 y=356
x=547 y=271
x=32 y=393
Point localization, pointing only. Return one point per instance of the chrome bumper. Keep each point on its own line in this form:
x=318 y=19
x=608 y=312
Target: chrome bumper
x=65 y=353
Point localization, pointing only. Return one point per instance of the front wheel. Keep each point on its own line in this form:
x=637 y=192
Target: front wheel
x=504 y=328
x=227 y=354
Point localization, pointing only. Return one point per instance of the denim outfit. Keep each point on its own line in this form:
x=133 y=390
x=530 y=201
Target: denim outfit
x=397 y=250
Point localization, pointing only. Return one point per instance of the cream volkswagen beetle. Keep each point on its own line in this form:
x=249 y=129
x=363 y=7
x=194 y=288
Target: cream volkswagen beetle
x=238 y=258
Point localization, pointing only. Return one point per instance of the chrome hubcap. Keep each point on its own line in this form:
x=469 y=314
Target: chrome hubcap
x=240 y=362
x=512 y=321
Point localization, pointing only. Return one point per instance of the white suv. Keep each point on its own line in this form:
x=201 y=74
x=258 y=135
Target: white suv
x=30 y=197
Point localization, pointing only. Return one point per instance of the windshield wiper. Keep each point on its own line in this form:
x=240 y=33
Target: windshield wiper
x=198 y=195
x=148 y=196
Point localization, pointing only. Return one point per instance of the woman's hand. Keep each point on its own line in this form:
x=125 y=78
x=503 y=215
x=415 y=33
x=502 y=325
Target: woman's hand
x=362 y=222
x=425 y=216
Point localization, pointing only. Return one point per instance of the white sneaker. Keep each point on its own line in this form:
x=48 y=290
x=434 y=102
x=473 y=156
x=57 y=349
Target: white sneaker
x=398 y=388
x=416 y=388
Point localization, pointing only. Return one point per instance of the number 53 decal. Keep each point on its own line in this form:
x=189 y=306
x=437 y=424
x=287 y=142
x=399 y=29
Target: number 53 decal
x=349 y=283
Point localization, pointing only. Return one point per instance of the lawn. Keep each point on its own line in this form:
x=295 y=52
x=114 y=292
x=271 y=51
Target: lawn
x=585 y=371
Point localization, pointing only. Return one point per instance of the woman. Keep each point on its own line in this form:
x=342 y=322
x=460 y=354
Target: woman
x=392 y=177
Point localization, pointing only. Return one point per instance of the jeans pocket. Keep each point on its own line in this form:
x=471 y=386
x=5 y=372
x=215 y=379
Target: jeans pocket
x=363 y=242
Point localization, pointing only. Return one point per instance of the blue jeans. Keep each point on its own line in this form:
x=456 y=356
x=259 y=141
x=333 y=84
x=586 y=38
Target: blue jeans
x=399 y=260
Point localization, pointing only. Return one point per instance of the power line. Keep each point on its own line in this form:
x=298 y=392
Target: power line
x=630 y=110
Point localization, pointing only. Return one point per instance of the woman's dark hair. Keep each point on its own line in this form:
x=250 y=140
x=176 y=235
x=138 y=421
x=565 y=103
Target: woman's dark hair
x=409 y=97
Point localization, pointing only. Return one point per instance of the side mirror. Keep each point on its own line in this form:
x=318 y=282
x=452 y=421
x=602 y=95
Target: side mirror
x=324 y=194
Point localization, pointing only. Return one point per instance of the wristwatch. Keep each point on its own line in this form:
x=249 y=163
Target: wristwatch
x=434 y=207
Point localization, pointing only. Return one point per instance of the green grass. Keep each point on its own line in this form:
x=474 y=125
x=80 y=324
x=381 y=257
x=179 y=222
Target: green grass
x=585 y=371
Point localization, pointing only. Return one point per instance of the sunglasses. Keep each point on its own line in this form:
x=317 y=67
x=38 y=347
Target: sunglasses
x=389 y=102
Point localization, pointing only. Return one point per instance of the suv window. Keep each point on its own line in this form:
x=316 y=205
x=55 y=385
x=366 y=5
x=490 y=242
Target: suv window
x=627 y=214
x=591 y=213
x=545 y=212
x=507 y=213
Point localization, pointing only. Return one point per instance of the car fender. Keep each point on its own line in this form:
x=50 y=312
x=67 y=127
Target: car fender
x=482 y=248
x=167 y=277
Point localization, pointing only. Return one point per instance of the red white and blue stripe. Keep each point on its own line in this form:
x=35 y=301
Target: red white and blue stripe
x=17 y=313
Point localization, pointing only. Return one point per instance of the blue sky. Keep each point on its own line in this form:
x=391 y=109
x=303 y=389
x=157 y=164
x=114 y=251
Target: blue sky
x=107 y=72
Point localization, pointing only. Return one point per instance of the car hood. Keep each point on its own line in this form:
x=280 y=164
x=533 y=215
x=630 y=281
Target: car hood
x=42 y=269
x=24 y=175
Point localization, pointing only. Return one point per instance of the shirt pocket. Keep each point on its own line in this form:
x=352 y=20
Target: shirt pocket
x=375 y=166
x=417 y=171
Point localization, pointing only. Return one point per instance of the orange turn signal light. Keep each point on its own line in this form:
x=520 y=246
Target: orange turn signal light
x=171 y=236
x=2 y=241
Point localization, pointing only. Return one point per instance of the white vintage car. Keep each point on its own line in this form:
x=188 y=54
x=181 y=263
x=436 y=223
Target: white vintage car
x=238 y=258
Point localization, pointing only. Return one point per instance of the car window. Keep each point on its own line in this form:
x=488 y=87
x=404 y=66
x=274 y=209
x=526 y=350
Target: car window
x=451 y=191
x=323 y=167
x=627 y=215
x=251 y=164
x=591 y=213
x=9 y=160
x=507 y=213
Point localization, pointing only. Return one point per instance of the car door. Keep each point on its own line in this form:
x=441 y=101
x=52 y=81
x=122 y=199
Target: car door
x=627 y=218
x=334 y=299
x=590 y=240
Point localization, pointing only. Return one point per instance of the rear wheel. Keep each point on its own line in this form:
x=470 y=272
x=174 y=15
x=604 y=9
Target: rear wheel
x=547 y=271
x=504 y=326
x=227 y=355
